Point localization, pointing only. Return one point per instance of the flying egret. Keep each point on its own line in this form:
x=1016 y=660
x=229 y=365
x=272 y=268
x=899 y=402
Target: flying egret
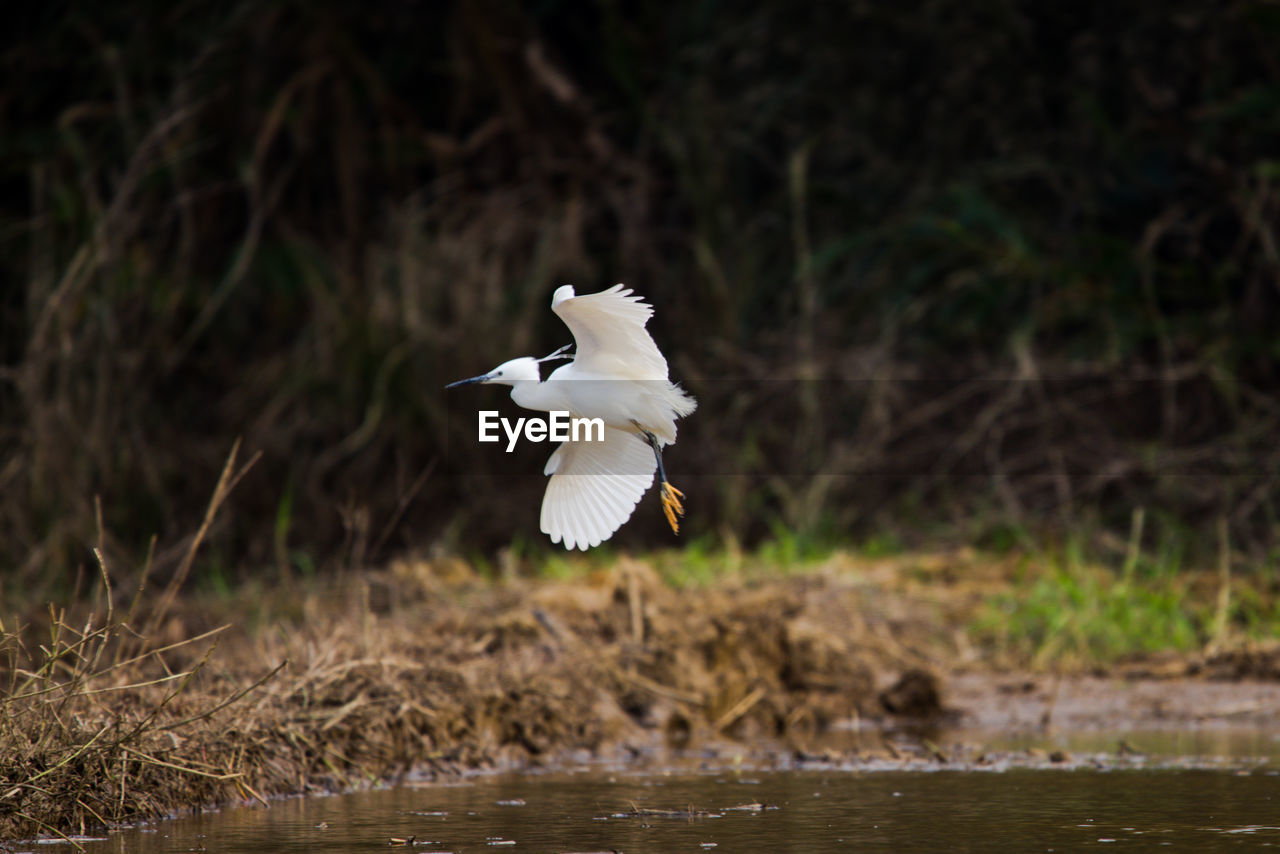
x=619 y=376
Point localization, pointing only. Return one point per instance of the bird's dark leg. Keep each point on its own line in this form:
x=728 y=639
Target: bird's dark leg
x=671 y=496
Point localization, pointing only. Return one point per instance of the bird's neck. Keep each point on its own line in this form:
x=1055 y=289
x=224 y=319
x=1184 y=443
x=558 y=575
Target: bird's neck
x=534 y=394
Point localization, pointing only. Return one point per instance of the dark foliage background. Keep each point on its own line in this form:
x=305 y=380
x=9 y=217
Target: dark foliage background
x=986 y=267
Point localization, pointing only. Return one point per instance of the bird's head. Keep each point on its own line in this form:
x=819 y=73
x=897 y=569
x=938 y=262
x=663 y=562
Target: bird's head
x=524 y=369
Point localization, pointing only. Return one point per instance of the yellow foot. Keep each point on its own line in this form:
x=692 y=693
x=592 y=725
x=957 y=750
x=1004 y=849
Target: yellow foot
x=671 y=505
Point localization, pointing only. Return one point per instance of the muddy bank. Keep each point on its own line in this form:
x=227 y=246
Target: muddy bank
x=422 y=669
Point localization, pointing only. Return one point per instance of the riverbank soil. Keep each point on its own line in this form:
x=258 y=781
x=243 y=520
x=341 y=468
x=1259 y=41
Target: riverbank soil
x=424 y=670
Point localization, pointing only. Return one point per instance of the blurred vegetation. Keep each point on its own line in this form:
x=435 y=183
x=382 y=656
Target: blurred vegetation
x=999 y=268
x=1067 y=609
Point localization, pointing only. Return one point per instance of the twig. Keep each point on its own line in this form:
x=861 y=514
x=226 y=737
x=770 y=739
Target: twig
x=186 y=769
x=1224 y=588
x=1135 y=543
x=14 y=696
x=174 y=645
x=142 y=724
x=244 y=784
x=137 y=595
x=69 y=757
x=228 y=701
x=636 y=607
x=106 y=583
x=132 y=685
x=226 y=482
x=51 y=829
x=102 y=821
x=402 y=506
x=739 y=709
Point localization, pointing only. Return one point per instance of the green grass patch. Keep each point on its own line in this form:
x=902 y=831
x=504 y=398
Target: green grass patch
x=702 y=560
x=1068 y=609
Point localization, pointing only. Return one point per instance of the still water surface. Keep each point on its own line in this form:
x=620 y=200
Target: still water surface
x=1201 y=789
x=805 y=810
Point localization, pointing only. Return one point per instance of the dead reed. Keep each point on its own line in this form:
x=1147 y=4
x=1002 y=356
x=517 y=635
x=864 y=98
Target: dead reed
x=89 y=736
x=401 y=671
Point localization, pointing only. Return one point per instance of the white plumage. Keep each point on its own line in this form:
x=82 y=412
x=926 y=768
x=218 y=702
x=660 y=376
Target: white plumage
x=595 y=487
x=619 y=376
x=609 y=334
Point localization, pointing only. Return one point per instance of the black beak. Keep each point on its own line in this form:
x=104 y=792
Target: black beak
x=478 y=379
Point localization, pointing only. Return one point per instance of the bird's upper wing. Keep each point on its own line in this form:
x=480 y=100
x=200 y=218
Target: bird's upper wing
x=609 y=330
x=595 y=487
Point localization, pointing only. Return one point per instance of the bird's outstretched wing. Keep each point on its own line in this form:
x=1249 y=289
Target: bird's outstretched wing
x=609 y=330
x=595 y=487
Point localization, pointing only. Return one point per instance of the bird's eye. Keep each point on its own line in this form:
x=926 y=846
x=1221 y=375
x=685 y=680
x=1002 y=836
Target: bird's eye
x=498 y=374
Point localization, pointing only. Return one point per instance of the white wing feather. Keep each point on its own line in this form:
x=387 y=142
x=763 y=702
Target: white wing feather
x=608 y=328
x=595 y=487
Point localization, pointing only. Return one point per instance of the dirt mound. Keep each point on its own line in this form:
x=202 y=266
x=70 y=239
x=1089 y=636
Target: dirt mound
x=424 y=668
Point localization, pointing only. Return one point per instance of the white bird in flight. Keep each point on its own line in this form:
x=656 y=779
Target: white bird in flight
x=619 y=376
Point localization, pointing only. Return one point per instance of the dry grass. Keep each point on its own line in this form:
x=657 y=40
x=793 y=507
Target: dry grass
x=412 y=669
x=92 y=736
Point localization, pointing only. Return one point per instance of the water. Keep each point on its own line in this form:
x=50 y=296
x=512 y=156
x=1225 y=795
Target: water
x=1204 y=746
x=1021 y=809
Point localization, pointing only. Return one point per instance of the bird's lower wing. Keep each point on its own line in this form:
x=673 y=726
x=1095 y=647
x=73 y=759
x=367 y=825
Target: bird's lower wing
x=595 y=487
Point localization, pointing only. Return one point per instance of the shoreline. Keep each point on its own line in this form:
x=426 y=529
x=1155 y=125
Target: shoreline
x=411 y=673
